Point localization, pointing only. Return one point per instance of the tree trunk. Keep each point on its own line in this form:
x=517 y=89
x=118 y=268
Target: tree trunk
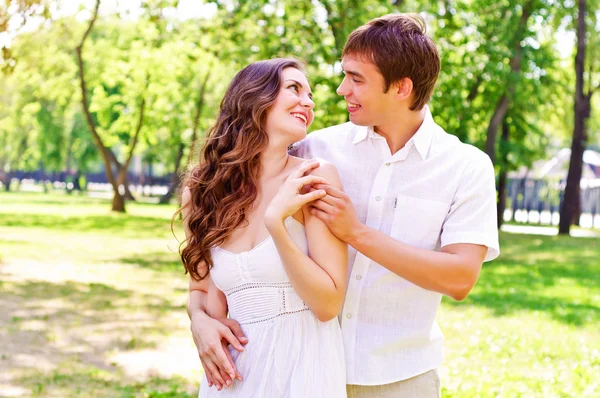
x=122 y=173
x=6 y=180
x=501 y=206
x=118 y=202
x=582 y=109
x=122 y=177
x=571 y=198
x=175 y=178
x=76 y=181
x=118 y=205
x=492 y=131
x=504 y=101
x=128 y=195
x=577 y=213
x=118 y=166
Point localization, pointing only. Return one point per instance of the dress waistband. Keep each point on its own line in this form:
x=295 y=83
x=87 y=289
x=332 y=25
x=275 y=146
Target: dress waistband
x=255 y=302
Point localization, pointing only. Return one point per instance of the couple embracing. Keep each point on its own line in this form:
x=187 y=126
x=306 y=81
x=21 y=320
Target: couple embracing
x=318 y=271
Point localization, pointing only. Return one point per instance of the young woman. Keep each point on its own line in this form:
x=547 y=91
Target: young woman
x=254 y=250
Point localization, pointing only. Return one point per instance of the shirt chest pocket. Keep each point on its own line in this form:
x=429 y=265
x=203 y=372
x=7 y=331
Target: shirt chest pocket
x=418 y=222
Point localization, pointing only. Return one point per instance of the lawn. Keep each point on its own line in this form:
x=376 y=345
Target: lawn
x=93 y=305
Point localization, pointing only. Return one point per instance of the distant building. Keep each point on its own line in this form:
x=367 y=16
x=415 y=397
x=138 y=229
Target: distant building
x=558 y=167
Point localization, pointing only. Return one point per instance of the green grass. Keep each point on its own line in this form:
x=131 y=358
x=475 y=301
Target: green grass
x=92 y=301
x=530 y=326
x=93 y=305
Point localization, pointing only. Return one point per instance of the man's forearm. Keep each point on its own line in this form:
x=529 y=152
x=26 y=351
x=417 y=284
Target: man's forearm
x=446 y=273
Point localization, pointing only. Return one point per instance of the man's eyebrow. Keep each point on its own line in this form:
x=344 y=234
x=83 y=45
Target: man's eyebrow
x=299 y=85
x=353 y=73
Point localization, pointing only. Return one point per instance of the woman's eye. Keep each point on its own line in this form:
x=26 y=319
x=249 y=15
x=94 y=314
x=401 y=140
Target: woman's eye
x=295 y=87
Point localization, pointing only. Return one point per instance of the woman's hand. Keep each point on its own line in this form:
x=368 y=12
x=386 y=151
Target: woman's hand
x=291 y=196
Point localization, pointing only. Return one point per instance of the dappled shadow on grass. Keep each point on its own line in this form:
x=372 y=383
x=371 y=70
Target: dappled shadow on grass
x=80 y=298
x=63 y=199
x=121 y=224
x=571 y=313
x=92 y=382
x=49 y=323
x=555 y=275
x=167 y=261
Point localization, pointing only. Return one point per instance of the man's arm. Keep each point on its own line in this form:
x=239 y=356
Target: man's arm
x=452 y=272
x=468 y=231
x=208 y=333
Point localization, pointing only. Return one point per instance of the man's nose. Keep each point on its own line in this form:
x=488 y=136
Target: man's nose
x=342 y=89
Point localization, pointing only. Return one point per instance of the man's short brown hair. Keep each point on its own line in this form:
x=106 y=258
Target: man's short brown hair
x=398 y=46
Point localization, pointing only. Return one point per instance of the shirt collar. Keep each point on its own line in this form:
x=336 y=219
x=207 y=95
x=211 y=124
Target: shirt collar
x=361 y=134
x=424 y=135
x=421 y=139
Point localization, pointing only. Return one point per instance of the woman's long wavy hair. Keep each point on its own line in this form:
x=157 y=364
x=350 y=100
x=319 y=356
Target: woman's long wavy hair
x=224 y=185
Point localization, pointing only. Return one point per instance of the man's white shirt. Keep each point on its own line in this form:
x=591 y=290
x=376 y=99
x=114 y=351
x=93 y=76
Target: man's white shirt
x=434 y=192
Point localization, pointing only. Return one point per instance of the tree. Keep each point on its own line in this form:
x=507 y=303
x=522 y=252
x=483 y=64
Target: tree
x=38 y=103
x=515 y=69
x=500 y=71
x=199 y=105
x=314 y=31
x=14 y=14
x=115 y=112
x=118 y=203
x=582 y=111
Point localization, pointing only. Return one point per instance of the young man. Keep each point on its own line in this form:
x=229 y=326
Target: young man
x=418 y=211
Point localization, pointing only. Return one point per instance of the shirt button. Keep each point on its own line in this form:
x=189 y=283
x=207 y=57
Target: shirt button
x=387 y=163
x=378 y=198
x=358 y=277
x=349 y=315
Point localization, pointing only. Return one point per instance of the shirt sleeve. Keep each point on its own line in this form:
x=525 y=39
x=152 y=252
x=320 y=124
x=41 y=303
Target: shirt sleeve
x=299 y=149
x=472 y=216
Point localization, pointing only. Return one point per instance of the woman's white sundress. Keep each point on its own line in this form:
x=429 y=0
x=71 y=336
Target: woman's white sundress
x=290 y=353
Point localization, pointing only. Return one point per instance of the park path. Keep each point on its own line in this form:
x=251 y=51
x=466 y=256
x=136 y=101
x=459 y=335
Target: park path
x=549 y=231
x=89 y=324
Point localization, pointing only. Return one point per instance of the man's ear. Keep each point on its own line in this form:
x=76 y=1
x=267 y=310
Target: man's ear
x=403 y=88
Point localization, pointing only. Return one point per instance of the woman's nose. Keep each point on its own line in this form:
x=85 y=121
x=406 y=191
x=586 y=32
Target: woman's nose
x=308 y=102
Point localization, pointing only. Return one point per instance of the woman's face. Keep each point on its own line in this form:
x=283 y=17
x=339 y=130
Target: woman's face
x=291 y=114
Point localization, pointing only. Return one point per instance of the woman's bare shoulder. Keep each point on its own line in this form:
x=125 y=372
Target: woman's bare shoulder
x=328 y=171
x=324 y=164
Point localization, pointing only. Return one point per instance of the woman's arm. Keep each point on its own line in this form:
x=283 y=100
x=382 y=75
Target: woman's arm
x=216 y=302
x=319 y=278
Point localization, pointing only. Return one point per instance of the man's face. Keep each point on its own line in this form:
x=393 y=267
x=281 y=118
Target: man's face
x=363 y=89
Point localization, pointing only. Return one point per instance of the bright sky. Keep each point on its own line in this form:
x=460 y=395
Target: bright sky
x=187 y=9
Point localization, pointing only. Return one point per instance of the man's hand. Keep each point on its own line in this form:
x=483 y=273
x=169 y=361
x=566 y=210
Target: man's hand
x=211 y=337
x=337 y=211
